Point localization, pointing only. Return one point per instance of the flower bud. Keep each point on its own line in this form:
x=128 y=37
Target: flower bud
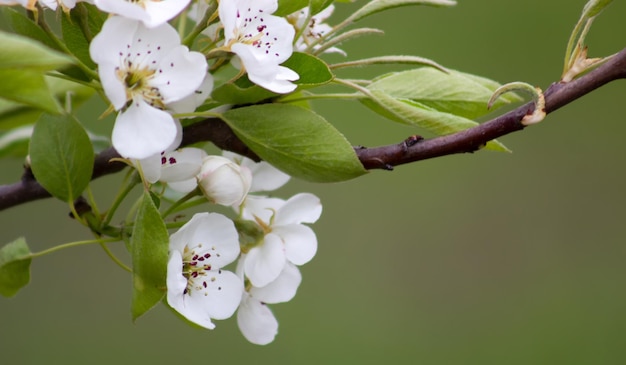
x=224 y=182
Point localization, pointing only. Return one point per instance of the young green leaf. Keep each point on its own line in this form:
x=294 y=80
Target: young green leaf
x=410 y=112
x=296 y=140
x=286 y=7
x=79 y=28
x=61 y=156
x=376 y=6
x=22 y=53
x=312 y=70
x=149 y=245
x=453 y=92
x=27 y=87
x=25 y=26
x=14 y=267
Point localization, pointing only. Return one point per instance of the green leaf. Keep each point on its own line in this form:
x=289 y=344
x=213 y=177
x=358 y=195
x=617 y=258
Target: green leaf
x=409 y=112
x=79 y=28
x=454 y=92
x=14 y=267
x=312 y=70
x=376 y=6
x=286 y=7
x=23 y=62
x=15 y=142
x=27 y=87
x=75 y=40
x=594 y=7
x=21 y=53
x=149 y=248
x=61 y=156
x=25 y=26
x=296 y=140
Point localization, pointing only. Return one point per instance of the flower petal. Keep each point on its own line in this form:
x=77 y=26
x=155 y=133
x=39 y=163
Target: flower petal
x=210 y=235
x=261 y=207
x=222 y=294
x=281 y=290
x=300 y=242
x=180 y=73
x=264 y=263
x=176 y=297
x=142 y=130
x=182 y=164
x=256 y=321
x=303 y=207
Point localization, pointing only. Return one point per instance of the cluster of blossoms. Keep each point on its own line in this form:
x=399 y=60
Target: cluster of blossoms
x=268 y=239
x=150 y=76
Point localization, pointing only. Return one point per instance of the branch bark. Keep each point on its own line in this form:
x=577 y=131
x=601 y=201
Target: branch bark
x=384 y=157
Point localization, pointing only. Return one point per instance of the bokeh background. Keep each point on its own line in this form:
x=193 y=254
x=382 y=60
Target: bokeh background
x=487 y=258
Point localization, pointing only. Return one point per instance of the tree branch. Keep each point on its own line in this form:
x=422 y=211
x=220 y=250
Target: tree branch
x=384 y=157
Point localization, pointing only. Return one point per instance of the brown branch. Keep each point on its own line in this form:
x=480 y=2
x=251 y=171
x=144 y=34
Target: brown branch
x=385 y=157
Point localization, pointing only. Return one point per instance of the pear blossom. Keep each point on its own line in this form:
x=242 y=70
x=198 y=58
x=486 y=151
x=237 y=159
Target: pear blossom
x=177 y=168
x=224 y=182
x=285 y=240
x=152 y=13
x=254 y=318
x=314 y=29
x=262 y=41
x=197 y=287
x=142 y=71
x=265 y=177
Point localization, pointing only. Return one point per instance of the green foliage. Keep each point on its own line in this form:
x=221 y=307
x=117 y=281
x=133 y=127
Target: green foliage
x=313 y=71
x=286 y=7
x=441 y=103
x=14 y=267
x=149 y=248
x=454 y=92
x=25 y=26
x=79 y=27
x=61 y=156
x=297 y=141
x=22 y=63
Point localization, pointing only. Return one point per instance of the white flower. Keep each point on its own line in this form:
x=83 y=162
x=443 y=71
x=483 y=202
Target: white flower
x=197 y=287
x=314 y=29
x=177 y=168
x=224 y=182
x=286 y=238
x=261 y=40
x=151 y=13
x=142 y=71
x=255 y=320
x=265 y=177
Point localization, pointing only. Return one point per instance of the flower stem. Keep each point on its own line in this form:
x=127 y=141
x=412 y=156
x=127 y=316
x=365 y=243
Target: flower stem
x=69 y=245
x=113 y=257
x=130 y=183
x=177 y=204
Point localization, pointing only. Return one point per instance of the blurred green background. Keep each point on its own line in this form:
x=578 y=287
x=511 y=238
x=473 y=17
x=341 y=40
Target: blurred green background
x=487 y=258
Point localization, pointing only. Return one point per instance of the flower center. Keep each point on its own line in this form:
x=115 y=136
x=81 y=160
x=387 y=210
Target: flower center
x=136 y=79
x=253 y=31
x=196 y=268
